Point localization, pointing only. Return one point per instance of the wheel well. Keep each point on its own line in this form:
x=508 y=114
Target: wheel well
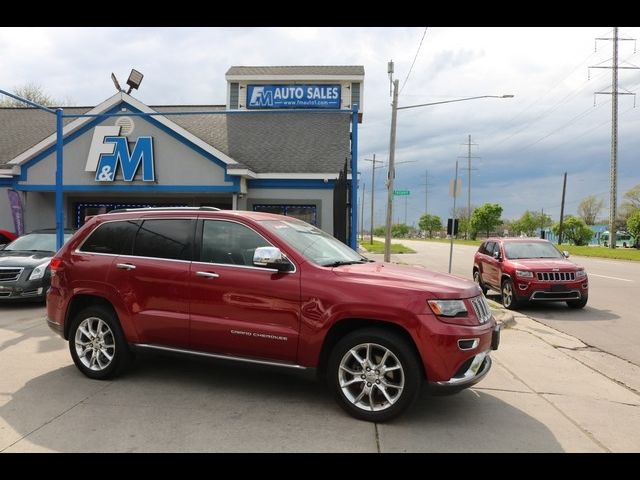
x=80 y=302
x=503 y=278
x=346 y=326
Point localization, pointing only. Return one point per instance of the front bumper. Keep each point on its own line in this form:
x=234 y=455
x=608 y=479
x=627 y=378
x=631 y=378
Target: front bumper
x=477 y=369
x=551 y=292
x=29 y=290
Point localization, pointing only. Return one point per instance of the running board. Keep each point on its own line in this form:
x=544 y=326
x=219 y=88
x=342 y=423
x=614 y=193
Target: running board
x=219 y=356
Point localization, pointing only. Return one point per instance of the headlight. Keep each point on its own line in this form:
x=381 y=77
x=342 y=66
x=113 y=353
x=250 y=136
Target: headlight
x=524 y=274
x=448 y=308
x=581 y=274
x=38 y=272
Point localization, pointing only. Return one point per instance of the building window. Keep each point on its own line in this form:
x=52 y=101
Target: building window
x=86 y=210
x=306 y=213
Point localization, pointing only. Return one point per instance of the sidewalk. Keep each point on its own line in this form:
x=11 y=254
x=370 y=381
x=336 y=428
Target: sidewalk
x=589 y=399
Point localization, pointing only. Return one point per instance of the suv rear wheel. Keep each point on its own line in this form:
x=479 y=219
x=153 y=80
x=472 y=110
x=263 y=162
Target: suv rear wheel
x=578 y=303
x=478 y=279
x=374 y=374
x=97 y=344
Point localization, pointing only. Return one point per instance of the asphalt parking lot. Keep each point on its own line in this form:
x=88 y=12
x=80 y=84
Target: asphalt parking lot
x=174 y=404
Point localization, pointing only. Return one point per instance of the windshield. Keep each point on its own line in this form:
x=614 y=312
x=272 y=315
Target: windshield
x=312 y=243
x=44 y=242
x=531 y=250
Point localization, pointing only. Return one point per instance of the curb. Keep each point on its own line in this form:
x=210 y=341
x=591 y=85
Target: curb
x=504 y=317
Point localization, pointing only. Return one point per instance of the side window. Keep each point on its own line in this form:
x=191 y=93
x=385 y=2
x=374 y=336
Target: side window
x=229 y=243
x=496 y=248
x=166 y=238
x=488 y=248
x=113 y=237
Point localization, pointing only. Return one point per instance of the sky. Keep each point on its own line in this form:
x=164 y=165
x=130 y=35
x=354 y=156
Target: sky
x=521 y=146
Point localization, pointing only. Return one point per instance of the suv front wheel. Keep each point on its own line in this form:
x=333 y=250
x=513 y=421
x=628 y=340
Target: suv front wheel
x=509 y=298
x=97 y=344
x=374 y=374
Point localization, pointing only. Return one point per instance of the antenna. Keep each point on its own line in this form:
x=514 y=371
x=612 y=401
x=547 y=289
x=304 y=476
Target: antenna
x=115 y=82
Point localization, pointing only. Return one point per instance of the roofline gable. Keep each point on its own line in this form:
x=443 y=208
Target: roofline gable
x=107 y=105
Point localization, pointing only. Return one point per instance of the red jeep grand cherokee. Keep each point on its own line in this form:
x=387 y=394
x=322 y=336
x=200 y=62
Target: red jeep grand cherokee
x=268 y=289
x=529 y=269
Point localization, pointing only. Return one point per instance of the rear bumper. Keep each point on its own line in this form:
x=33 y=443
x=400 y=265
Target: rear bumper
x=56 y=327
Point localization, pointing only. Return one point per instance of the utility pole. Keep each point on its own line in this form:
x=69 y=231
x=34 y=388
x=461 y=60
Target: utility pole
x=426 y=190
x=405 y=208
x=564 y=189
x=362 y=212
x=373 y=187
x=453 y=222
x=613 y=173
x=392 y=173
x=469 y=157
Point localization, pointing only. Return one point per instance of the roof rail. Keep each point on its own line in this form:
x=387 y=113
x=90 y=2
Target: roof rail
x=146 y=209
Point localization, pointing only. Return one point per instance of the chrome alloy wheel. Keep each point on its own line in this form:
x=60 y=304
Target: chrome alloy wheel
x=507 y=294
x=95 y=344
x=371 y=377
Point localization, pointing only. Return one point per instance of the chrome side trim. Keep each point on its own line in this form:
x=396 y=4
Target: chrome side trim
x=220 y=356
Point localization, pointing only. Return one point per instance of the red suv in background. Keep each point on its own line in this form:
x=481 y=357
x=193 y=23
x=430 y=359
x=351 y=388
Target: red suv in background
x=529 y=269
x=268 y=289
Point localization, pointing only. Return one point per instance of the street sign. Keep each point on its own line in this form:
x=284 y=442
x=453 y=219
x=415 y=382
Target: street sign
x=401 y=192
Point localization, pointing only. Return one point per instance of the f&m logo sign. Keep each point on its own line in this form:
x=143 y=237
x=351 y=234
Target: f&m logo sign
x=109 y=149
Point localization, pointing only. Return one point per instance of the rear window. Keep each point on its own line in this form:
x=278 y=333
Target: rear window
x=112 y=238
x=166 y=238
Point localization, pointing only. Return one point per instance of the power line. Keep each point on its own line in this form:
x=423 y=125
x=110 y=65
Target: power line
x=414 y=59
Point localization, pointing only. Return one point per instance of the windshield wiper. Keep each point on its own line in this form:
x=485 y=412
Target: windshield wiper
x=339 y=263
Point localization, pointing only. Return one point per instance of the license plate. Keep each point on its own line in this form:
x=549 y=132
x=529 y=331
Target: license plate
x=558 y=288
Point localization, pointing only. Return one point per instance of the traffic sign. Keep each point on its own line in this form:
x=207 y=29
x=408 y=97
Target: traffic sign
x=401 y=192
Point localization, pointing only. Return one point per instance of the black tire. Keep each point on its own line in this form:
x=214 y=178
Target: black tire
x=478 y=279
x=107 y=341
x=578 y=303
x=508 y=294
x=400 y=353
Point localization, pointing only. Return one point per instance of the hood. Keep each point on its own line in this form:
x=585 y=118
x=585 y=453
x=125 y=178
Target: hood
x=17 y=258
x=440 y=285
x=544 y=264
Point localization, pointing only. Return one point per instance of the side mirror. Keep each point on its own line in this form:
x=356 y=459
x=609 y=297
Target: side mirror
x=496 y=255
x=565 y=253
x=271 y=257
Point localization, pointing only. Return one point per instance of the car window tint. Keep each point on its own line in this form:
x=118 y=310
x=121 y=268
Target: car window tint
x=167 y=238
x=112 y=237
x=229 y=243
x=488 y=248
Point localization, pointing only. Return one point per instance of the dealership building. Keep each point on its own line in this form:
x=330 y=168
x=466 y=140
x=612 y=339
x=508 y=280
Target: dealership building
x=285 y=142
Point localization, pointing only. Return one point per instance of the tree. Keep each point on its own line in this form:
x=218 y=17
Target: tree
x=633 y=225
x=530 y=222
x=399 y=230
x=379 y=231
x=429 y=223
x=589 y=209
x=632 y=197
x=486 y=218
x=575 y=230
x=31 y=91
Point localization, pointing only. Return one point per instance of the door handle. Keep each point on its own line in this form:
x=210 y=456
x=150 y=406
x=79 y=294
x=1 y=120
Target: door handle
x=125 y=266
x=207 y=274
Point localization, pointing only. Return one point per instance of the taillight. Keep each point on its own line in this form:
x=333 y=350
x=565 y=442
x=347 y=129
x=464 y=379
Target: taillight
x=55 y=264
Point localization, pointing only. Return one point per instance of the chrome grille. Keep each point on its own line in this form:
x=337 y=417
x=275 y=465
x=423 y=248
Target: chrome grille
x=480 y=306
x=10 y=274
x=556 y=276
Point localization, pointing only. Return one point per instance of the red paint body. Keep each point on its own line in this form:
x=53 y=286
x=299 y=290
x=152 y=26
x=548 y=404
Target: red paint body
x=261 y=314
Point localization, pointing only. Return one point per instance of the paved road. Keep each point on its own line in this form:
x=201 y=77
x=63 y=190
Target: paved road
x=610 y=320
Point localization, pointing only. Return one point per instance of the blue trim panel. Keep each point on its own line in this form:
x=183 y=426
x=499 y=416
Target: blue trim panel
x=286 y=183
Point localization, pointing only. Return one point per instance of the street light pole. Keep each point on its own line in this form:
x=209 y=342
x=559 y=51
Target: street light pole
x=392 y=148
x=392 y=172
